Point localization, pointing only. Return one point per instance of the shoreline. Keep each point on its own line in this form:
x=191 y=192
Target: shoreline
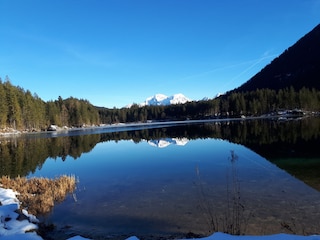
x=117 y=127
x=12 y=227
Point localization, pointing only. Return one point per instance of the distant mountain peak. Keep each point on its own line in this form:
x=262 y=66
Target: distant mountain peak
x=164 y=100
x=157 y=99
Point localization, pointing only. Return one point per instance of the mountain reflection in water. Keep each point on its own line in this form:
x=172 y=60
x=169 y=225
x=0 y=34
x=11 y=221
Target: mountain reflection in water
x=165 y=142
x=130 y=187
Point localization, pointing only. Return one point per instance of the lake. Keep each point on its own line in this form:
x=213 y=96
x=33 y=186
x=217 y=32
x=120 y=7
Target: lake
x=244 y=177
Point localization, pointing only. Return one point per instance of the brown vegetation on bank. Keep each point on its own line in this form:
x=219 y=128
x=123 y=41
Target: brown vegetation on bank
x=38 y=195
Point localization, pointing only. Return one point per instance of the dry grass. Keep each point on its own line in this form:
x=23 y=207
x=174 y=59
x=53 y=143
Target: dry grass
x=38 y=195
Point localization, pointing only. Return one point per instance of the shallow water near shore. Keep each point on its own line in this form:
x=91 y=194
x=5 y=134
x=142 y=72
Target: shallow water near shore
x=139 y=189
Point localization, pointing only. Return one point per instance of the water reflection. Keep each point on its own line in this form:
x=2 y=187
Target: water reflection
x=128 y=187
x=165 y=142
x=276 y=141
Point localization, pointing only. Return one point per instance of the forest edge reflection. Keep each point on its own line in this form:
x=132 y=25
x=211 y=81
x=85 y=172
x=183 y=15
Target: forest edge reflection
x=291 y=145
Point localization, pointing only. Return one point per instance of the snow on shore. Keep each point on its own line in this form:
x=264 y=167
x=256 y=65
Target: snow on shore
x=10 y=227
x=13 y=229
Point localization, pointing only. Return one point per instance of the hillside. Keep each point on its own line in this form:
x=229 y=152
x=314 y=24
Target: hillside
x=298 y=66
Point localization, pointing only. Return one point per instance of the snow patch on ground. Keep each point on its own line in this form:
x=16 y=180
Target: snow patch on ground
x=10 y=227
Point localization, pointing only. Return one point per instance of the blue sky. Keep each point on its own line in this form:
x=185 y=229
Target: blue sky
x=115 y=52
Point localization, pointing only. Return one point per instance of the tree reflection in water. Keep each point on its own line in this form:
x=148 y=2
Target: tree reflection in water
x=280 y=142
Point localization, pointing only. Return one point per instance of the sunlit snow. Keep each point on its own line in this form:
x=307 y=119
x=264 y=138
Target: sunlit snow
x=163 y=100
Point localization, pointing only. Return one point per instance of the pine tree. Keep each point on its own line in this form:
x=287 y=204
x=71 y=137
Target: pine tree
x=14 y=110
x=3 y=106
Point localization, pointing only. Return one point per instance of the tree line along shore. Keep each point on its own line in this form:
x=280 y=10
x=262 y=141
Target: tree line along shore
x=21 y=110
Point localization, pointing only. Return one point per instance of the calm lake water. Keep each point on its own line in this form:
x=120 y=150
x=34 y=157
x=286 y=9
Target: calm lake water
x=256 y=177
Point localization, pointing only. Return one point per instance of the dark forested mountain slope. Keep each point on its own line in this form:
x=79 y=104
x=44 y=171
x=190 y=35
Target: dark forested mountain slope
x=298 y=66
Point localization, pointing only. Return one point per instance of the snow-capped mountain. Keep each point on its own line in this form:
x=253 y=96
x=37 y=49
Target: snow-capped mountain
x=208 y=98
x=163 y=100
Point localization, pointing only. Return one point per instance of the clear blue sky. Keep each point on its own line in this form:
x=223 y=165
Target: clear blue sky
x=115 y=52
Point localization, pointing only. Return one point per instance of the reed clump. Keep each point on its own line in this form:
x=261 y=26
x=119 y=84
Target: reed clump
x=38 y=195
